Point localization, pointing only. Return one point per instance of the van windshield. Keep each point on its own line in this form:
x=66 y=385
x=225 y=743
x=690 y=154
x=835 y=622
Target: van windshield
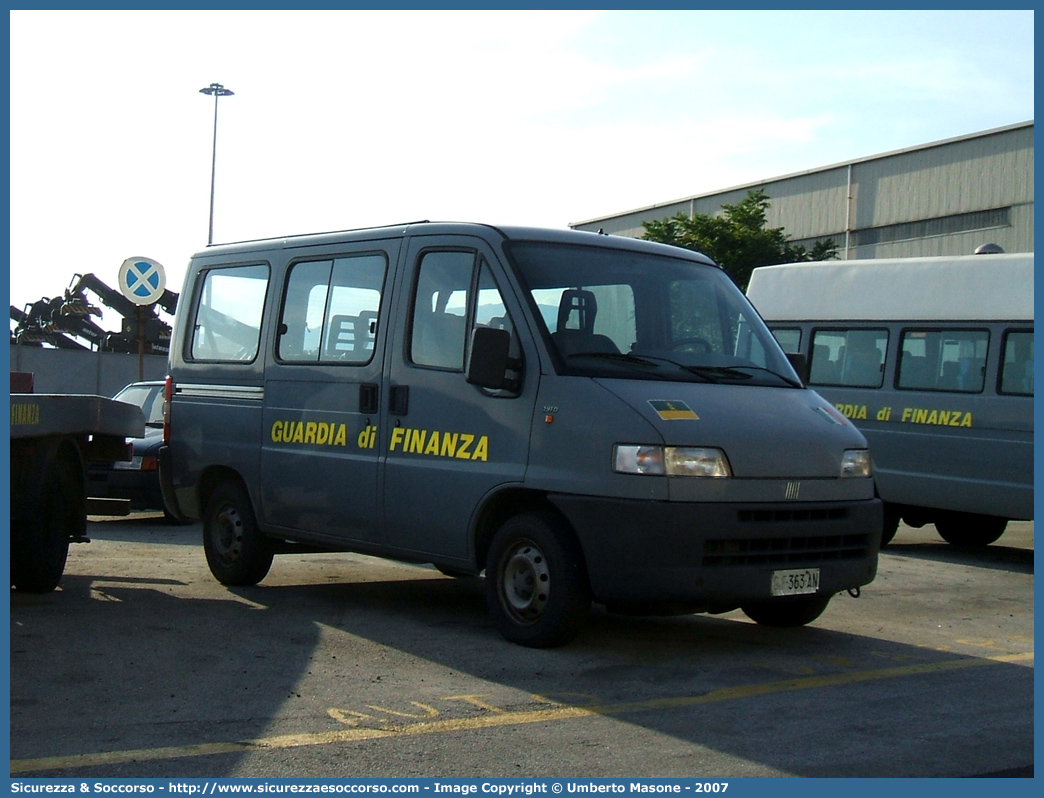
x=619 y=313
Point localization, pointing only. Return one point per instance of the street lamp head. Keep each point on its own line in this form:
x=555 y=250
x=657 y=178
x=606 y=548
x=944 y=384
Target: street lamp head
x=217 y=89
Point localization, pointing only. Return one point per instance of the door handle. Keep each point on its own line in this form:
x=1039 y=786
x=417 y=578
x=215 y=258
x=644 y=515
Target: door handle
x=368 y=398
x=399 y=400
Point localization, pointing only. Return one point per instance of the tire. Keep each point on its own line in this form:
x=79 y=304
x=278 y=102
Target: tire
x=786 y=612
x=891 y=524
x=536 y=583
x=237 y=553
x=40 y=548
x=969 y=530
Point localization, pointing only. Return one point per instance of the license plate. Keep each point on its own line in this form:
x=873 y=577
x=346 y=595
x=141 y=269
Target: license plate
x=795 y=582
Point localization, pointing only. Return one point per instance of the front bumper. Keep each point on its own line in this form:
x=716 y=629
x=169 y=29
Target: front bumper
x=719 y=556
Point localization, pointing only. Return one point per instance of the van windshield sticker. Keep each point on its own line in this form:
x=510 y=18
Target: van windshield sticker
x=672 y=409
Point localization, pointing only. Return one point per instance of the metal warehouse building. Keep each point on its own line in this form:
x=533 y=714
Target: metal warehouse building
x=944 y=198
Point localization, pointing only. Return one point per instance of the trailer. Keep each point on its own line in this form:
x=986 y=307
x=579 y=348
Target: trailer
x=53 y=436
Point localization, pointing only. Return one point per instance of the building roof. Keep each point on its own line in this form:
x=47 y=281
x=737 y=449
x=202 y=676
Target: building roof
x=842 y=164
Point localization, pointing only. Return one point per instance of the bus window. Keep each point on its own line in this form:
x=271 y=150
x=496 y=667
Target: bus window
x=788 y=338
x=943 y=360
x=853 y=358
x=1017 y=368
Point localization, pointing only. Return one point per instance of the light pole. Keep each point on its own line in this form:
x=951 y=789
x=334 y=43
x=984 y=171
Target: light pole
x=218 y=91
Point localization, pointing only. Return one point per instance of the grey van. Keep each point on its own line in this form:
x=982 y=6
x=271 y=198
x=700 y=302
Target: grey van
x=585 y=418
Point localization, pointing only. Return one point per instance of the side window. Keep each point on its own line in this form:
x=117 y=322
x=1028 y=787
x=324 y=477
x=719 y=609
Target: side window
x=227 y=326
x=440 y=306
x=330 y=310
x=853 y=358
x=1017 y=368
x=943 y=360
x=788 y=338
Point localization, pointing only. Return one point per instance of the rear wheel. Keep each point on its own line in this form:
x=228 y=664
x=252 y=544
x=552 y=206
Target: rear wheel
x=237 y=552
x=786 y=612
x=536 y=584
x=40 y=546
x=969 y=529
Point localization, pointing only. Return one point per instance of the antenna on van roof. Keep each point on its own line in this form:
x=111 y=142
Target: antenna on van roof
x=988 y=249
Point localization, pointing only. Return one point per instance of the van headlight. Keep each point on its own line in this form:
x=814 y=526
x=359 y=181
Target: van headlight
x=855 y=463
x=671 y=461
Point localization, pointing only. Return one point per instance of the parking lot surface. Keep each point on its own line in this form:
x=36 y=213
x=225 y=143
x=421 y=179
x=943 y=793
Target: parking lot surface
x=339 y=665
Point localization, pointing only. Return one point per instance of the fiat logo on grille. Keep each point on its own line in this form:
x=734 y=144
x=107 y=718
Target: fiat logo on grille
x=793 y=488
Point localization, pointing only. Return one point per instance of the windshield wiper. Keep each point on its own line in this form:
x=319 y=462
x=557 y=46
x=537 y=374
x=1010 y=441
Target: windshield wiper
x=719 y=373
x=644 y=361
x=620 y=357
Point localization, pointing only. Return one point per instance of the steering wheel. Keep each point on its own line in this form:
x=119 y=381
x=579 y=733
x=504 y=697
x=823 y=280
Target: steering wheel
x=685 y=343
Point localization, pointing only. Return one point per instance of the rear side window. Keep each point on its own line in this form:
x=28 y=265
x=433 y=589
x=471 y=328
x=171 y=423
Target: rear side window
x=853 y=358
x=943 y=360
x=1017 y=368
x=331 y=309
x=227 y=326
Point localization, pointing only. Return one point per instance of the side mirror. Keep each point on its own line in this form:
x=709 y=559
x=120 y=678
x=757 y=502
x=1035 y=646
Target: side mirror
x=488 y=362
x=800 y=364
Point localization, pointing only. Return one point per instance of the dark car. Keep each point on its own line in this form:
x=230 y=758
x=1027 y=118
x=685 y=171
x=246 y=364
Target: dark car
x=136 y=480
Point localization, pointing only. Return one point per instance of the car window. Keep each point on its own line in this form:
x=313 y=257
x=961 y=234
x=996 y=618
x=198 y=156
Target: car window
x=148 y=397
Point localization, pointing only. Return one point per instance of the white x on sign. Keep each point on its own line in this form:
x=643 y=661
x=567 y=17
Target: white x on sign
x=142 y=280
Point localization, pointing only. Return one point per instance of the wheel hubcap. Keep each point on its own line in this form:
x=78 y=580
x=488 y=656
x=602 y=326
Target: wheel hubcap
x=228 y=535
x=526 y=582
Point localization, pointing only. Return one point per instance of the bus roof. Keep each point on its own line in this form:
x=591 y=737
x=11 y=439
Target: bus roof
x=955 y=288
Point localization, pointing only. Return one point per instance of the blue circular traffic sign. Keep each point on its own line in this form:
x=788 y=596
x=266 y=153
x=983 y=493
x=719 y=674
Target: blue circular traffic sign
x=142 y=280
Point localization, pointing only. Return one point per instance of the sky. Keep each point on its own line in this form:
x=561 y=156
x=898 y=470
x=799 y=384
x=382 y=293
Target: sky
x=346 y=119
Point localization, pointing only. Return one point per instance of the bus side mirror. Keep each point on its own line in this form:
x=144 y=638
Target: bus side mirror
x=488 y=362
x=800 y=364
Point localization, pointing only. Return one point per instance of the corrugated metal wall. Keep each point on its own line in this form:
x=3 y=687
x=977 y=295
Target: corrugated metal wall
x=944 y=198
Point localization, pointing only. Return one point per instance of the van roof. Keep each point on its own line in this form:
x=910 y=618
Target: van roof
x=564 y=235
x=966 y=287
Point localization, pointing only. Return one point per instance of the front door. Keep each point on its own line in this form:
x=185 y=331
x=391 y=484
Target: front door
x=450 y=444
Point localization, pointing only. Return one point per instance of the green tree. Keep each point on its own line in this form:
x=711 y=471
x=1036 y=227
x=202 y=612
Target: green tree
x=738 y=239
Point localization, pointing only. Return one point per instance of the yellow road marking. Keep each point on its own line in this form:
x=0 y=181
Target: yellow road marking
x=504 y=717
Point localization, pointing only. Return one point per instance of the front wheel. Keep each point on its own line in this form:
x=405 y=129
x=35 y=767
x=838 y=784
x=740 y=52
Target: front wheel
x=786 y=612
x=969 y=529
x=891 y=524
x=536 y=584
x=237 y=553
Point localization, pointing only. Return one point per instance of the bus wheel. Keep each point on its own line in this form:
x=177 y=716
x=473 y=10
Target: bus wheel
x=785 y=612
x=969 y=529
x=891 y=524
x=536 y=584
x=237 y=552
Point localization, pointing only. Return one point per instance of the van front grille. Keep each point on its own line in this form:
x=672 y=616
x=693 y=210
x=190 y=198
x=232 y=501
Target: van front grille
x=786 y=515
x=785 y=549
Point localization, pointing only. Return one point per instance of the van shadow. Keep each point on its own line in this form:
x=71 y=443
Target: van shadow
x=157 y=671
x=997 y=557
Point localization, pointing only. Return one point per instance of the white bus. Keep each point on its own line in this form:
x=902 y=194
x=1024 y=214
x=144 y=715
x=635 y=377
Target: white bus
x=932 y=358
